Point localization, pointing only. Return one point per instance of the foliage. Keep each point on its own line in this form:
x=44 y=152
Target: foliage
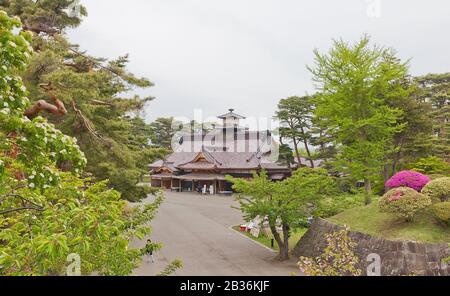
x=285 y=155
x=171 y=268
x=441 y=212
x=337 y=259
x=438 y=190
x=436 y=89
x=288 y=202
x=331 y=206
x=295 y=115
x=431 y=165
x=163 y=130
x=413 y=141
x=107 y=125
x=45 y=16
x=356 y=84
x=404 y=202
x=409 y=179
x=94 y=223
x=46 y=210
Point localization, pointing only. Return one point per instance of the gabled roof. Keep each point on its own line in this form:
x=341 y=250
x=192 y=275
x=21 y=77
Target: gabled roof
x=230 y=114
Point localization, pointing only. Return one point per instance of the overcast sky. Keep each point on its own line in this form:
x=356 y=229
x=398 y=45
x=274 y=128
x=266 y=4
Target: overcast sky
x=247 y=54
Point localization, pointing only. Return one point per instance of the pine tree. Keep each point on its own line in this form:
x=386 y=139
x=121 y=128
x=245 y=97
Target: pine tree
x=82 y=96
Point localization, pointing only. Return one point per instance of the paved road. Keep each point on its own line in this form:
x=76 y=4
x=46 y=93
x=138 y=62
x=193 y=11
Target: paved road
x=196 y=229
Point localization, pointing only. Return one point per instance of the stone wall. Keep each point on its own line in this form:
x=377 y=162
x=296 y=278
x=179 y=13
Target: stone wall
x=397 y=257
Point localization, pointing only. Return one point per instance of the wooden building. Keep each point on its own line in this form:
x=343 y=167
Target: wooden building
x=201 y=159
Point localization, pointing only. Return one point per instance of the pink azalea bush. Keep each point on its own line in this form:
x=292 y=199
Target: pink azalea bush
x=404 y=202
x=409 y=179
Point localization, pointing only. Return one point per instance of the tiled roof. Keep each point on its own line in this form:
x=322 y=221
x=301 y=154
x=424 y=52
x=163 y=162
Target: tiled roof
x=231 y=114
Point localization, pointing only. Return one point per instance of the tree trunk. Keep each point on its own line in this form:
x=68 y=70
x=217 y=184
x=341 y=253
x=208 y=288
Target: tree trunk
x=305 y=142
x=309 y=153
x=385 y=177
x=368 y=191
x=296 y=151
x=283 y=254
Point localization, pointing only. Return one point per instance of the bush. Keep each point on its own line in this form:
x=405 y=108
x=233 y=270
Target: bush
x=409 y=179
x=404 y=202
x=438 y=190
x=441 y=212
x=337 y=259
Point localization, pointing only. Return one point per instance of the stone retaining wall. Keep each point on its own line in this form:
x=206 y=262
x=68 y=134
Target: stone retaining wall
x=397 y=257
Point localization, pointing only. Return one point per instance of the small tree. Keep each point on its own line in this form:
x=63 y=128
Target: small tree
x=290 y=201
x=295 y=115
x=338 y=258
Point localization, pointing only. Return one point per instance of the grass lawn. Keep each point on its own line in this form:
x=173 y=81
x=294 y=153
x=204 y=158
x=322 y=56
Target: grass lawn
x=295 y=237
x=370 y=220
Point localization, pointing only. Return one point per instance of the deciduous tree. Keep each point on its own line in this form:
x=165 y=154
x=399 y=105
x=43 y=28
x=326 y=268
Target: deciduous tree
x=356 y=83
x=286 y=203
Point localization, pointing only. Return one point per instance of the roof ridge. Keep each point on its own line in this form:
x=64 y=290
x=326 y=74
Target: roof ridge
x=257 y=150
x=206 y=152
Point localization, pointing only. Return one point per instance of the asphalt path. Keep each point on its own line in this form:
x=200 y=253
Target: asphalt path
x=197 y=230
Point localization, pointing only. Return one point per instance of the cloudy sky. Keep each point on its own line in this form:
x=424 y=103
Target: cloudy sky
x=247 y=54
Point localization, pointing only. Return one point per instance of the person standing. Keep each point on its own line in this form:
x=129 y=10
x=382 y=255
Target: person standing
x=149 y=251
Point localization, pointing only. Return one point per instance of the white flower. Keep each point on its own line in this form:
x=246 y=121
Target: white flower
x=31 y=185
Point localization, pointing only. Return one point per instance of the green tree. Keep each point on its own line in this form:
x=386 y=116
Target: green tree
x=295 y=115
x=163 y=130
x=285 y=204
x=83 y=96
x=355 y=84
x=46 y=16
x=431 y=166
x=413 y=141
x=436 y=90
x=285 y=156
x=47 y=213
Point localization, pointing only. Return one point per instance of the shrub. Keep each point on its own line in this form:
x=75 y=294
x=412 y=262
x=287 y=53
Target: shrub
x=441 y=212
x=438 y=190
x=409 y=179
x=337 y=259
x=404 y=202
